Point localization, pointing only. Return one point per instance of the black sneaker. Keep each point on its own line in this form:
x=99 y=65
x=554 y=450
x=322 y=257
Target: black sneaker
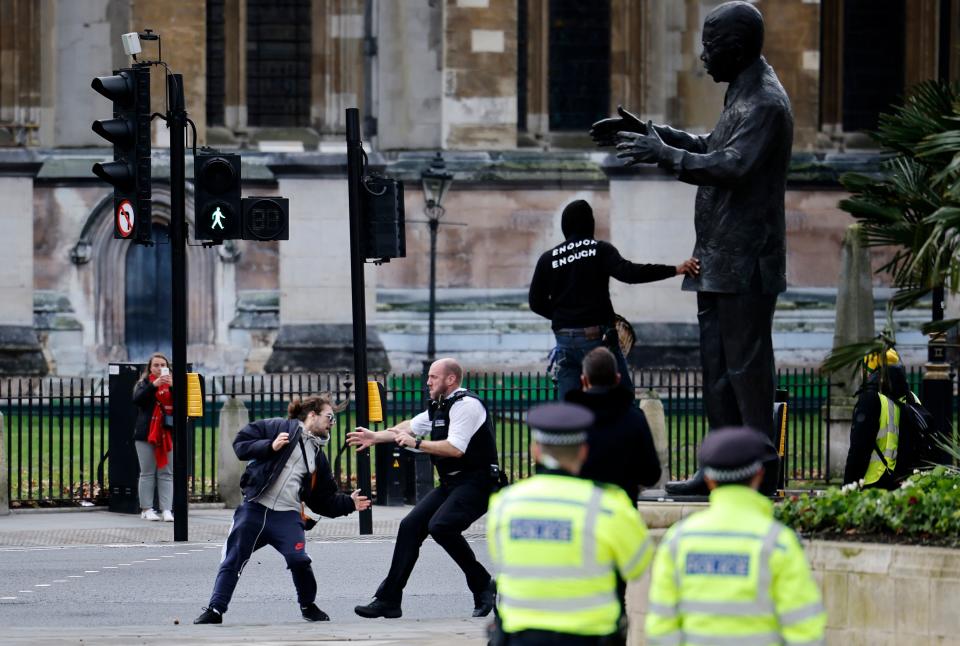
x=209 y=616
x=484 y=602
x=377 y=608
x=313 y=613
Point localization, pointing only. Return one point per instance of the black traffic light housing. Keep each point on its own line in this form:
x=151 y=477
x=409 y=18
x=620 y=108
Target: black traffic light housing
x=217 y=203
x=383 y=231
x=129 y=132
x=266 y=218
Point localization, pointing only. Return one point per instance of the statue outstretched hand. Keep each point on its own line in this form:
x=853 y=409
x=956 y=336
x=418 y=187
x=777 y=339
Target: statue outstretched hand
x=635 y=148
x=604 y=132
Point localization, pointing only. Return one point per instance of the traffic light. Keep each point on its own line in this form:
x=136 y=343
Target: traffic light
x=217 y=206
x=266 y=218
x=129 y=132
x=383 y=234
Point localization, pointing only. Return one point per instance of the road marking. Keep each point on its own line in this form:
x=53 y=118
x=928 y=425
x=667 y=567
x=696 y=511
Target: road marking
x=123 y=564
x=110 y=567
x=153 y=559
x=196 y=550
x=139 y=561
x=74 y=576
x=25 y=591
x=59 y=580
x=7 y=598
x=167 y=556
x=182 y=553
x=41 y=585
x=90 y=571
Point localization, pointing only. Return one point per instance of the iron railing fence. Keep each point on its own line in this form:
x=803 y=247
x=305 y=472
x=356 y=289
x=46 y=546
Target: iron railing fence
x=57 y=429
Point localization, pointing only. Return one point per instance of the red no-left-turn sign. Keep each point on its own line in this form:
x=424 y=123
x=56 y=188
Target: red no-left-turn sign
x=126 y=217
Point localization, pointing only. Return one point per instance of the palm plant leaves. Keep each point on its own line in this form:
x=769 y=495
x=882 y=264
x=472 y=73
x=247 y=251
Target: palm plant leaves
x=913 y=207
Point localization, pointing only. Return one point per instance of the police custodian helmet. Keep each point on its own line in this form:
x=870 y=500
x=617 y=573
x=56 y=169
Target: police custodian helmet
x=734 y=454
x=560 y=424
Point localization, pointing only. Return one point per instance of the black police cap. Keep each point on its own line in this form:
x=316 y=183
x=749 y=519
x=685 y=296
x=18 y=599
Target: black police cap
x=734 y=454
x=560 y=424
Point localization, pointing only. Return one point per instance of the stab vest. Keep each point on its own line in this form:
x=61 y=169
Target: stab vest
x=481 y=451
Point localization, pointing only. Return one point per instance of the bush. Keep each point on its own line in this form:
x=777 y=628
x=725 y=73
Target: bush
x=925 y=509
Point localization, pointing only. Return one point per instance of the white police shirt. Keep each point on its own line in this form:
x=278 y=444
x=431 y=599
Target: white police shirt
x=466 y=416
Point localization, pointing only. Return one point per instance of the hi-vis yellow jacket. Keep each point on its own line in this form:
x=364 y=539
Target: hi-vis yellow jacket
x=733 y=575
x=888 y=440
x=556 y=542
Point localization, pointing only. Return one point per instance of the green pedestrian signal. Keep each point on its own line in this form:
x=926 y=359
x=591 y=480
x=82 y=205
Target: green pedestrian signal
x=217 y=219
x=217 y=195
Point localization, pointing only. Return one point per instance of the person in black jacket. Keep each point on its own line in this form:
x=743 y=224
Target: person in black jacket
x=287 y=468
x=571 y=287
x=457 y=433
x=890 y=381
x=621 y=449
x=152 y=477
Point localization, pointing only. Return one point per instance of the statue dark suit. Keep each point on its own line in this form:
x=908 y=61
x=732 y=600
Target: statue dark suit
x=741 y=169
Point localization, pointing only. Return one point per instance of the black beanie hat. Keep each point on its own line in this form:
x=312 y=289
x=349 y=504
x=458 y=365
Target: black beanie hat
x=577 y=220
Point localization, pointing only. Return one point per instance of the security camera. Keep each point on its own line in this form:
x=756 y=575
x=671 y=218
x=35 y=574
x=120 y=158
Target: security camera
x=131 y=43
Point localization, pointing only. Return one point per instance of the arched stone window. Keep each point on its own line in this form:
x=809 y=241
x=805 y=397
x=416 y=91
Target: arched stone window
x=107 y=258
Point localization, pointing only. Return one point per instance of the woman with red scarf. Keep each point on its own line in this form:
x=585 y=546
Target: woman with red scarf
x=154 y=438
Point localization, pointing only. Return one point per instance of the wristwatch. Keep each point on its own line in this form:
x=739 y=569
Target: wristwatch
x=416 y=444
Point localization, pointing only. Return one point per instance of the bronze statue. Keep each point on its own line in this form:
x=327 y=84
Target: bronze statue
x=741 y=169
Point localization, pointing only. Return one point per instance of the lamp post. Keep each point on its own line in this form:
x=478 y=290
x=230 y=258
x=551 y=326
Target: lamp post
x=436 y=181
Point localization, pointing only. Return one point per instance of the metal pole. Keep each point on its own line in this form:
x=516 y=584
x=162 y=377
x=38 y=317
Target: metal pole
x=354 y=175
x=177 y=122
x=432 y=329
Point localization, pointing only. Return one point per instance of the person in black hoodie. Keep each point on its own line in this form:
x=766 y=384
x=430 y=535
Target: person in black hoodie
x=621 y=445
x=287 y=468
x=571 y=287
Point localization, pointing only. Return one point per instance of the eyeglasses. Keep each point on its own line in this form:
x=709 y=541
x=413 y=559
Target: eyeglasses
x=331 y=417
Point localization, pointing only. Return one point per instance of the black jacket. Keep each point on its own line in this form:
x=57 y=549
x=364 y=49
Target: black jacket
x=741 y=169
x=865 y=425
x=254 y=443
x=145 y=398
x=571 y=283
x=621 y=445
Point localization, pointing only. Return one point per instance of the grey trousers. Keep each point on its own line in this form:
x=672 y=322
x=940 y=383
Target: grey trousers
x=150 y=476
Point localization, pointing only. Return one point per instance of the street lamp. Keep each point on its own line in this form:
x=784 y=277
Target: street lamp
x=436 y=182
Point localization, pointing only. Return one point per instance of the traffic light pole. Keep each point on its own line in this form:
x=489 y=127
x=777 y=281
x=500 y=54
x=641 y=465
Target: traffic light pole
x=177 y=123
x=354 y=177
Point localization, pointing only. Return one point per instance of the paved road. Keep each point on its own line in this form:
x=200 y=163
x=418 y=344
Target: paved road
x=150 y=592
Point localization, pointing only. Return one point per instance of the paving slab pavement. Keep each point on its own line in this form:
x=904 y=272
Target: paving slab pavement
x=380 y=632
x=207 y=522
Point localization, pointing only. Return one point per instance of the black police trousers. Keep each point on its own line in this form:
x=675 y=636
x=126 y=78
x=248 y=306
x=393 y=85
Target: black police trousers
x=444 y=514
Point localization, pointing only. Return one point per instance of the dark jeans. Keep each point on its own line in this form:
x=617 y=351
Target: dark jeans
x=443 y=514
x=253 y=527
x=739 y=375
x=569 y=354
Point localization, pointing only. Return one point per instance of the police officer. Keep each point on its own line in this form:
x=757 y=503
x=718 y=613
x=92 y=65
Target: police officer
x=875 y=432
x=732 y=574
x=558 y=541
x=457 y=434
x=571 y=287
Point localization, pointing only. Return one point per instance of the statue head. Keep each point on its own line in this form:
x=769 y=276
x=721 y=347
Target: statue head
x=732 y=39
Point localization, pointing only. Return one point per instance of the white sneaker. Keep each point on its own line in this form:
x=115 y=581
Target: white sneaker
x=167 y=516
x=149 y=514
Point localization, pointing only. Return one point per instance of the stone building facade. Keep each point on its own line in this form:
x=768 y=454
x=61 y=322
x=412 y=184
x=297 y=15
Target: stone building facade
x=505 y=88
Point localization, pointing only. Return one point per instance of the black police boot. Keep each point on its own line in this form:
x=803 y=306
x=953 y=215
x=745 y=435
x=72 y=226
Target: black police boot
x=377 y=608
x=313 y=613
x=695 y=486
x=209 y=616
x=484 y=602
